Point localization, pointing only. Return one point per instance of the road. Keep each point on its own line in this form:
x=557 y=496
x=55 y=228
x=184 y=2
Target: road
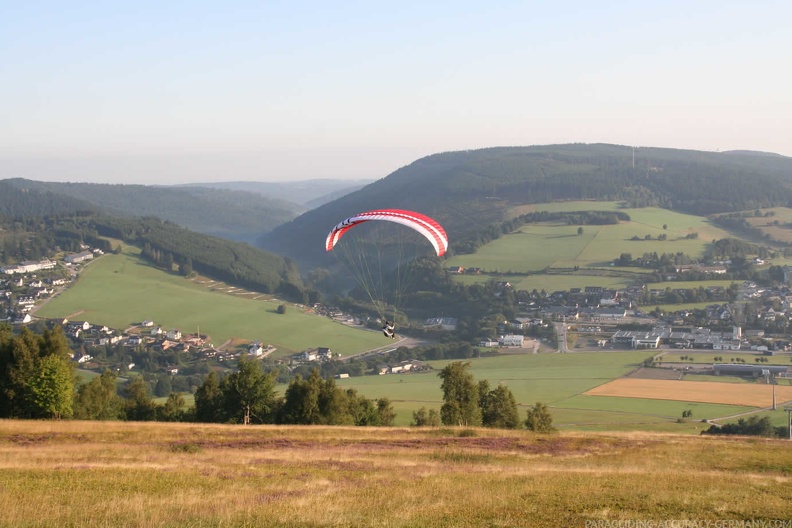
x=561 y=336
x=408 y=342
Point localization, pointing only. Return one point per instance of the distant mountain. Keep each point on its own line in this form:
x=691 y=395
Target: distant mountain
x=309 y=193
x=231 y=214
x=469 y=190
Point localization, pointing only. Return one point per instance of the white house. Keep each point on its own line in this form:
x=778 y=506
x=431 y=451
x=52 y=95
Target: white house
x=512 y=340
x=255 y=349
x=308 y=355
x=175 y=335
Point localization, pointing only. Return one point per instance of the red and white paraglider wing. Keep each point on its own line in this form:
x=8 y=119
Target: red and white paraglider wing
x=428 y=227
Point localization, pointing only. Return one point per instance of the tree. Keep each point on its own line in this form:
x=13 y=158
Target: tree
x=249 y=393
x=52 y=388
x=138 y=405
x=282 y=309
x=333 y=404
x=301 y=400
x=173 y=410
x=500 y=409
x=422 y=418
x=163 y=387
x=460 y=396
x=98 y=399
x=35 y=374
x=539 y=419
x=580 y=231
x=209 y=400
x=385 y=411
x=186 y=267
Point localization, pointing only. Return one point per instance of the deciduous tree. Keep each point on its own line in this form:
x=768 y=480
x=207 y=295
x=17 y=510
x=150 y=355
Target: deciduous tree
x=539 y=419
x=460 y=396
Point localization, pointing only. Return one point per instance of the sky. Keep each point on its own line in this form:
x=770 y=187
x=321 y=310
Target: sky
x=177 y=91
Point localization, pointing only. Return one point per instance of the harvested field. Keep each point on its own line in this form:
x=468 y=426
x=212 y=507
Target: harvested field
x=752 y=395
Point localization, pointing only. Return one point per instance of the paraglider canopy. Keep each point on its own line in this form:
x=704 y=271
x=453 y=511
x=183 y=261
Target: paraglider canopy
x=381 y=264
x=421 y=223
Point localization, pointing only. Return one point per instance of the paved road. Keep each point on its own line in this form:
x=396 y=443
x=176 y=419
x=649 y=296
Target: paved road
x=561 y=337
x=408 y=342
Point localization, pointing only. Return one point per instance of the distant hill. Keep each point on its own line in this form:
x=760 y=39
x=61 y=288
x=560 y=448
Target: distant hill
x=308 y=193
x=231 y=214
x=470 y=189
x=17 y=201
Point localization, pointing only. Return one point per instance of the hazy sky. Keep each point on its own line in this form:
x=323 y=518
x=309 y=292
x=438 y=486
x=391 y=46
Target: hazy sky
x=171 y=91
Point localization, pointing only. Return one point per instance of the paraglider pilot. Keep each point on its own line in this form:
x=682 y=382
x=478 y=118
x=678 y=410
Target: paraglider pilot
x=388 y=330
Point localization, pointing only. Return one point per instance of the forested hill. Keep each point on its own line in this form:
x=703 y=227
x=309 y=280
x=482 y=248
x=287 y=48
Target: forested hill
x=231 y=214
x=308 y=193
x=35 y=236
x=16 y=202
x=465 y=190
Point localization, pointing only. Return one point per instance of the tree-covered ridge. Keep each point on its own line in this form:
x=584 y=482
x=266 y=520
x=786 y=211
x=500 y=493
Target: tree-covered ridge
x=164 y=243
x=17 y=203
x=470 y=189
x=234 y=262
x=232 y=214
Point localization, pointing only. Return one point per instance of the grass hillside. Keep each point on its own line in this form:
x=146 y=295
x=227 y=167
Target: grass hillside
x=556 y=247
x=144 y=474
x=562 y=381
x=467 y=190
x=119 y=290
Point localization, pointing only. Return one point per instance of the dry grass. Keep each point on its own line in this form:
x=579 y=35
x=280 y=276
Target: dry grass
x=748 y=394
x=127 y=474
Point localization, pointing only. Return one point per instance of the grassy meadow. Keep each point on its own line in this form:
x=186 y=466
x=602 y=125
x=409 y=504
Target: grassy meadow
x=535 y=247
x=143 y=474
x=120 y=290
x=553 y=282
x=558 y=380
x=766 y=224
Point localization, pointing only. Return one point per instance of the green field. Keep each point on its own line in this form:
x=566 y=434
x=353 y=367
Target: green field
x=120 y=290
x=535 y=247
x=551 y=282
x=559 y=380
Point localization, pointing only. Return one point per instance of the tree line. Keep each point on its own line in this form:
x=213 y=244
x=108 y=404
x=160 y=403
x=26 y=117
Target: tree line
x=37 y=381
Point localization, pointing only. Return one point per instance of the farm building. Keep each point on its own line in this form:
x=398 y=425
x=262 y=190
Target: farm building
x=733 y=369
x=78 y=257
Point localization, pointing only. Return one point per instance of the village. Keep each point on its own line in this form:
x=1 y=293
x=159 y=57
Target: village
x=28 y=284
